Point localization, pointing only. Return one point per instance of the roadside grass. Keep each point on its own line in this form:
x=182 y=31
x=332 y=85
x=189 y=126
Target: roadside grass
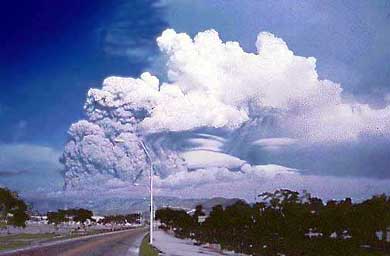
x=145 y=248
x=16 y=241
x=9 y=242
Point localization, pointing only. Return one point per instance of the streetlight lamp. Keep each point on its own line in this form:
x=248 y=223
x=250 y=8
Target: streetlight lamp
x=151 y=172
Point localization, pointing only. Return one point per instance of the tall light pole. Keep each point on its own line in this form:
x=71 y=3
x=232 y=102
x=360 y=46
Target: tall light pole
x=151 y=173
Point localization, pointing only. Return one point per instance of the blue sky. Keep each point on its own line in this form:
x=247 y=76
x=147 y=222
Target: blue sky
x=52 y=52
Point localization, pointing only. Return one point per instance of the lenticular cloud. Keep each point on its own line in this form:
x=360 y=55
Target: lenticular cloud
x=210 y=84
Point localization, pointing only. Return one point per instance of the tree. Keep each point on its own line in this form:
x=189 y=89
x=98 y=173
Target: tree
x=178 y=220
x=82 y=215
x=13 y=210
x=198 y=212
x=57 y=217
x=214 y=226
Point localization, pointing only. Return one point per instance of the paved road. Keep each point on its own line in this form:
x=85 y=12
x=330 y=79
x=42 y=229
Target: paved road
x=122 y=243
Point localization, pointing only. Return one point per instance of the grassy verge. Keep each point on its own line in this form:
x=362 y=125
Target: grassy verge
x=10 y=242
x=146 y=249
x=16 y=241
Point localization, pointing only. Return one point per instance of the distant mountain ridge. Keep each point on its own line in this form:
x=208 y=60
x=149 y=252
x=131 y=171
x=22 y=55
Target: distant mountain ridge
x=208 y=204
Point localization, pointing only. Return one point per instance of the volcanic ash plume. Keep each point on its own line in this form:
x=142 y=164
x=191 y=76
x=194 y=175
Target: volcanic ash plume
x=215 y=85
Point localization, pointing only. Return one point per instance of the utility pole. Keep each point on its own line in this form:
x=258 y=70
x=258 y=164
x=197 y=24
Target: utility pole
x=151 y=173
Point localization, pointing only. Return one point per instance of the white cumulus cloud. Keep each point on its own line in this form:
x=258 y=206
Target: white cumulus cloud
x=217 y=84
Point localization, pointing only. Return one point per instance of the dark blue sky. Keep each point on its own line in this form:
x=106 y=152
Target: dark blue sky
x=52 y=52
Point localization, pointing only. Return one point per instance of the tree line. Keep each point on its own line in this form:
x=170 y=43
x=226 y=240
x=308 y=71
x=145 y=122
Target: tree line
x=15 y=211
x=286 y=222
x=78 y=215
x=82 y=215
x=121 y=219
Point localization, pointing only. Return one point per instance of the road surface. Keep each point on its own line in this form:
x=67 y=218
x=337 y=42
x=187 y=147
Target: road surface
x=121 y=243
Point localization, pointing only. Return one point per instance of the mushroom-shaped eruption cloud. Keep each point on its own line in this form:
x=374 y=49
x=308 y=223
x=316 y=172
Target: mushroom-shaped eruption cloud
x=215 y=85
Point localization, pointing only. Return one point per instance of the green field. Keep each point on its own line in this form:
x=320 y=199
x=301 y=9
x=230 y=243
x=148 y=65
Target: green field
x=15 y=241
x=9 y=242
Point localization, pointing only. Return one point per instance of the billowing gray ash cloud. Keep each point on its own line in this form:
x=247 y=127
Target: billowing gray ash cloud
x=204 y=126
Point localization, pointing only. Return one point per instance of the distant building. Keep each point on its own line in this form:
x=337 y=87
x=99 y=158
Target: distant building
x=202 y=219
